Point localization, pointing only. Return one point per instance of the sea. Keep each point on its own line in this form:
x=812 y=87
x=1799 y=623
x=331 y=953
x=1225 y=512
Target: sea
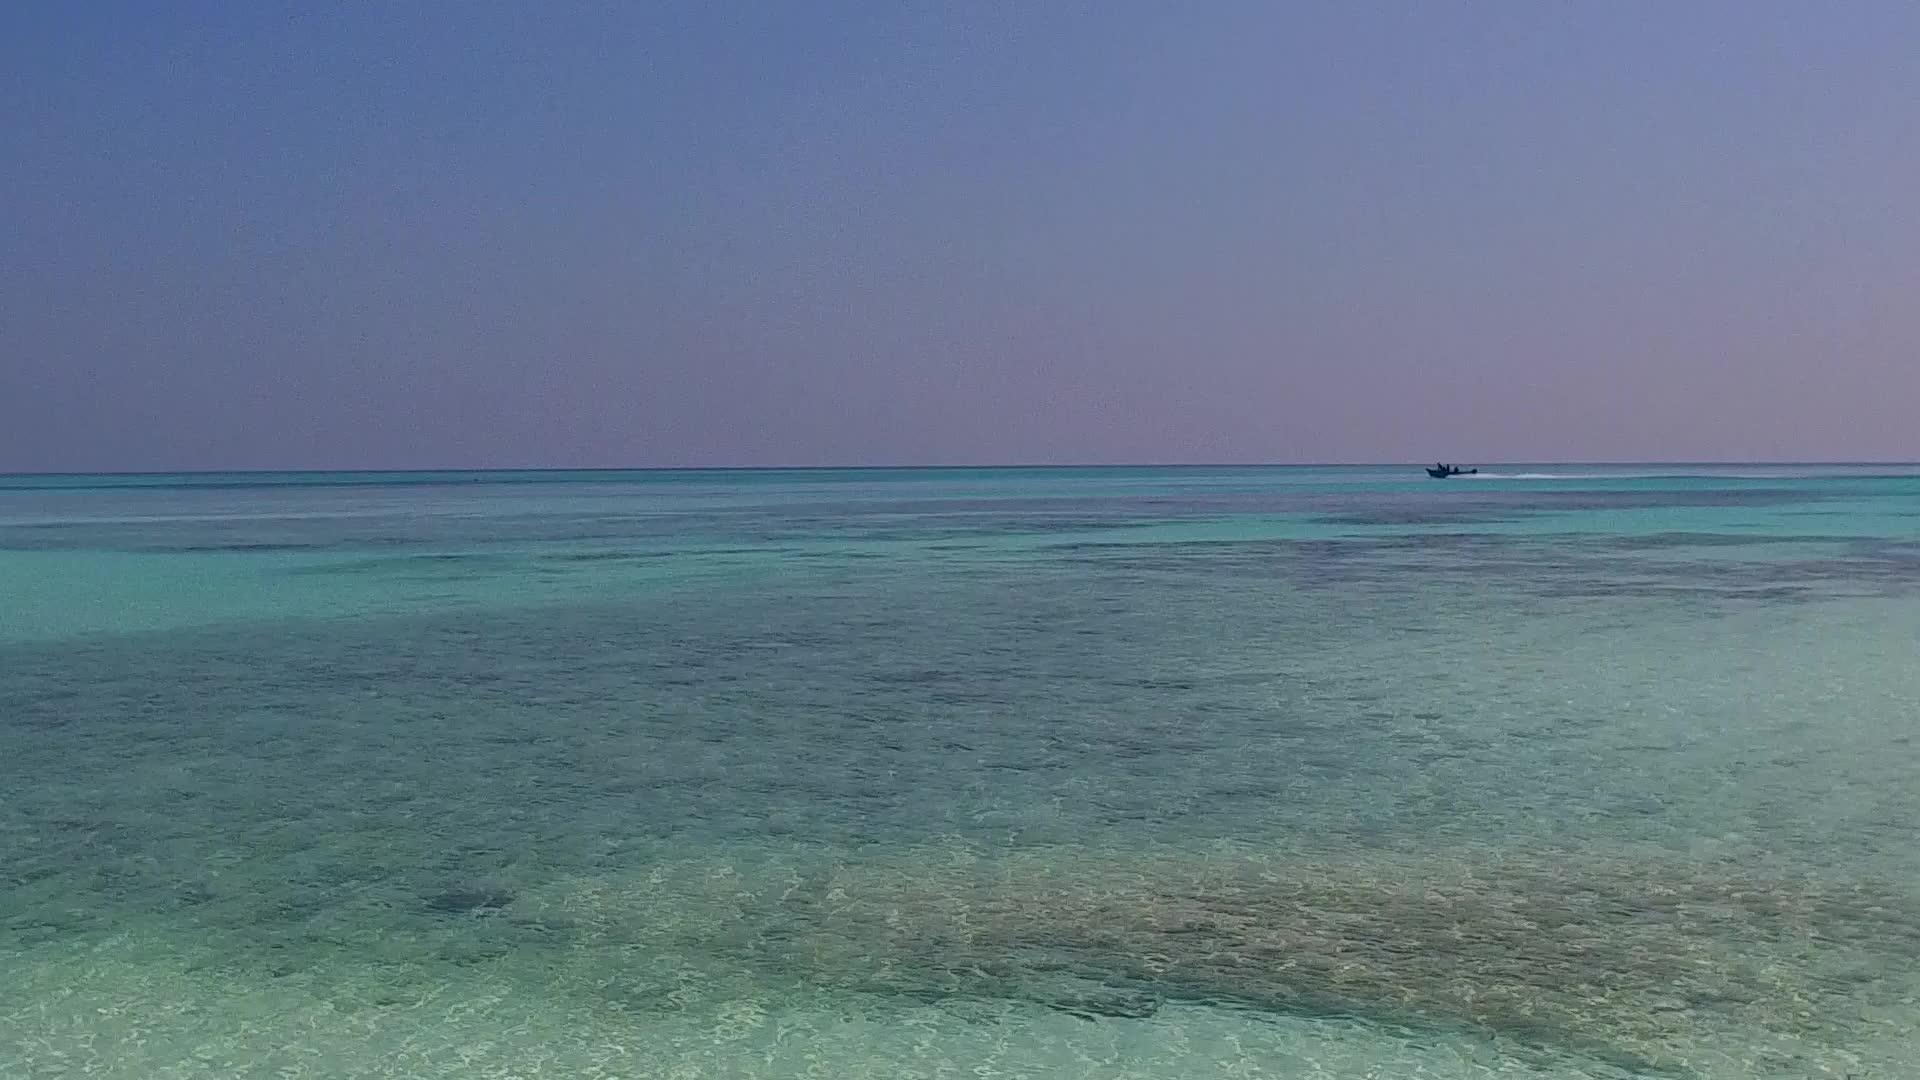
x=1545 y=772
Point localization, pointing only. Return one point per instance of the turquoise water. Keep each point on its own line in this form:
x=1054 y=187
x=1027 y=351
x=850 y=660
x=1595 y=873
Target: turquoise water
x=1550 y=772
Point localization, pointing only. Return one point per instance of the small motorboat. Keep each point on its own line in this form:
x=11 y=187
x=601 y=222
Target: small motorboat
x=1441 y=472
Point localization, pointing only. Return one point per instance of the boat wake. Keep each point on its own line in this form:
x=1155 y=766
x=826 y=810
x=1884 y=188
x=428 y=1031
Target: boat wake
x=1483 y=475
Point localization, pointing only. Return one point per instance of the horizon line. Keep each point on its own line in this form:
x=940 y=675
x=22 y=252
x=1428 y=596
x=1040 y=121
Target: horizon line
x=943 y=467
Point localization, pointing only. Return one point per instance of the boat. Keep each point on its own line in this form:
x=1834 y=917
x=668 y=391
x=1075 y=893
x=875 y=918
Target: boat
x=1441 y=472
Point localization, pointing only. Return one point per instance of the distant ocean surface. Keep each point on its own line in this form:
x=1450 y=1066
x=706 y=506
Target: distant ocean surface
x=1553 y=771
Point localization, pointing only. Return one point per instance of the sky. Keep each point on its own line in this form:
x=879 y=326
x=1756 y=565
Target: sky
x=485 y=234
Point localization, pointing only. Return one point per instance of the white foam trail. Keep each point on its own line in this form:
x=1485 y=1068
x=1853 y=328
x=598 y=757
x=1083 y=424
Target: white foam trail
x=1706 y=472
x=1550 y=476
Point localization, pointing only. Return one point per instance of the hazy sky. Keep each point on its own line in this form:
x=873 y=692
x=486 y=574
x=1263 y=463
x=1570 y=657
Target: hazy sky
x=471 y=234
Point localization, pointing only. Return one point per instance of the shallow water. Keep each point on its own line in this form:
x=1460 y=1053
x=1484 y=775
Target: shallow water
x=1048 y=773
